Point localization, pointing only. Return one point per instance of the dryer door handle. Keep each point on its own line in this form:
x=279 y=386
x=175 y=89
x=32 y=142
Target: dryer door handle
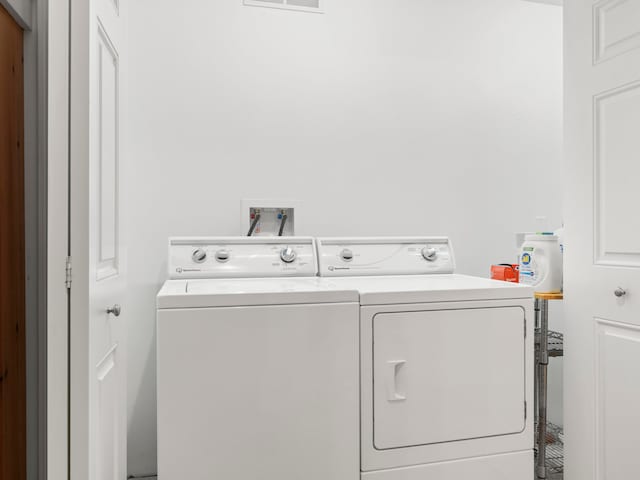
x=394 y=368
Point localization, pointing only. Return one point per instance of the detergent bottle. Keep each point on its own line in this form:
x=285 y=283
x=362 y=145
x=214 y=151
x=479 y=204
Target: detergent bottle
x=541 y=263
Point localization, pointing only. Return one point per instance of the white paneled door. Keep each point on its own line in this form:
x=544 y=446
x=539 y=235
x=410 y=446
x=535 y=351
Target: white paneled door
x=98 y=350
x=602 y=254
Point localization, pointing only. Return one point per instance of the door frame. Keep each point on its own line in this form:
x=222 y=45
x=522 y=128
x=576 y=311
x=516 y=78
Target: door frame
x=56 y=237
x=78 y=241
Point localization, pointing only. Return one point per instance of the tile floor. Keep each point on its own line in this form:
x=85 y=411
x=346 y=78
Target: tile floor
x=556 y=476
x=555 y=455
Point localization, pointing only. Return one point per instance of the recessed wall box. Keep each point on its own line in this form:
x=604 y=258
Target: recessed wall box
x=267 y=217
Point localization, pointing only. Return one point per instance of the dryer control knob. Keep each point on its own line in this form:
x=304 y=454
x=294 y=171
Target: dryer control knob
x=222 y=255
x=288 y=255
x=346 y=255
x=429 y=253
x=199 y=255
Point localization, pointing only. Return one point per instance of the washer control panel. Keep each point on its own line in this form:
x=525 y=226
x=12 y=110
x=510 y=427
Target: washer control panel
x=384 y=256
x=232 y=257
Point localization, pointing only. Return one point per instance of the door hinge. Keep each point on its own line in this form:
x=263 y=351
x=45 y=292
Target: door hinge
x=68 y=273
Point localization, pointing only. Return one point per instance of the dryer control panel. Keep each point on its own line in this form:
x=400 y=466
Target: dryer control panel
x=233 y=257
x=341 y=257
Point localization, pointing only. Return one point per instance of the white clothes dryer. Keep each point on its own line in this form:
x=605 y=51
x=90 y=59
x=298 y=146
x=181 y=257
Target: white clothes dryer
x=257 y=364
x=446 y=362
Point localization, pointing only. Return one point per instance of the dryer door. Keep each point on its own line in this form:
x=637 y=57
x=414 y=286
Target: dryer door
x=448 y=375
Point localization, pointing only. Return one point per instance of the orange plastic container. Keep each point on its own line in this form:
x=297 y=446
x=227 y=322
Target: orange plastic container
x=506 y=272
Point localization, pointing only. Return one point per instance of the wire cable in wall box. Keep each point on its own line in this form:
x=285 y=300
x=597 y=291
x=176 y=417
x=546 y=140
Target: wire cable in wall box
x=311 y=6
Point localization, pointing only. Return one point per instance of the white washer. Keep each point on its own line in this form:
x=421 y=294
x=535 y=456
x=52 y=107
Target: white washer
x=258 y=378
x=446 y=362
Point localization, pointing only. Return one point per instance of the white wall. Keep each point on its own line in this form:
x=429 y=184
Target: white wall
x=382 y=118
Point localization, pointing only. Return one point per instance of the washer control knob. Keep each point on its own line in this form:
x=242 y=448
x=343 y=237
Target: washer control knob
x=288 y=254
x=222 y=255
x=346 y=255
x=199 y=255
x=429 y=253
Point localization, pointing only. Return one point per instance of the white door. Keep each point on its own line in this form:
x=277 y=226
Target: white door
x=98 y=350
x=448 y=375
x=602 y=254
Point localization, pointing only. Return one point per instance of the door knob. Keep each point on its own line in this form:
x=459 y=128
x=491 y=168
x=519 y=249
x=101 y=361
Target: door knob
x=620 y=292
x=115 y=310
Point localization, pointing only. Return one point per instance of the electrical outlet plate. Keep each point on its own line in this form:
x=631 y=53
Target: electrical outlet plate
x=271 y=212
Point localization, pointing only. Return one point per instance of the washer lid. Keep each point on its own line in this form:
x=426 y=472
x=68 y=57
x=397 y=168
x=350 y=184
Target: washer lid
x=386 y=290
x=250 y=291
